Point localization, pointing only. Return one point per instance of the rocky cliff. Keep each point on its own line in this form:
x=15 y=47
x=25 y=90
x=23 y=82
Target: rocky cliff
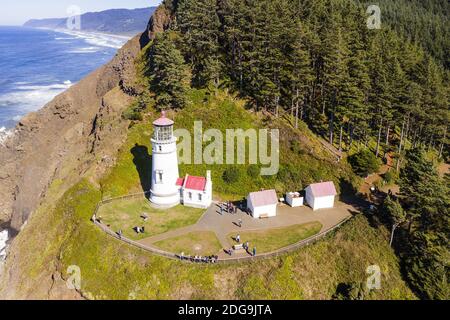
x=68 y=135
x=78 y=132
x=64 y=136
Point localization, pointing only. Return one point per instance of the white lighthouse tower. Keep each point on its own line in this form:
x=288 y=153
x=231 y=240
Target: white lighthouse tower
x=164 y=192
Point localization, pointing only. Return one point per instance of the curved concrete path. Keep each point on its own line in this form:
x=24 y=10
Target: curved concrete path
x=225 y=224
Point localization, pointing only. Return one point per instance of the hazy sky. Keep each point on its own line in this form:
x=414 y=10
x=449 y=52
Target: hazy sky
x=16 y=12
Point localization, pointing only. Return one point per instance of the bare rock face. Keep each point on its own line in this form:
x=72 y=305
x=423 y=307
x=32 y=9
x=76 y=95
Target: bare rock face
x=65 y=136
x=159 y=22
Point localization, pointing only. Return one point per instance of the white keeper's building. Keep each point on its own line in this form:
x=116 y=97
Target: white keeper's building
x=262 y=204
x=321 y=195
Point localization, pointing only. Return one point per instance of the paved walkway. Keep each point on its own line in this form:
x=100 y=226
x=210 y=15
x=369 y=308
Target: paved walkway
x=225 y=224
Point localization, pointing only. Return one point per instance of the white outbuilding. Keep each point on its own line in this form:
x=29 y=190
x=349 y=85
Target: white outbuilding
x=262 y=204
x=294 y=199
x=321 y=195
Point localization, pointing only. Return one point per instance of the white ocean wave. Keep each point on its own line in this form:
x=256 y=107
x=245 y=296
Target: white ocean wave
x=4 y=236
x=5 y=134
x=28 y=98
x=85 y=50
x=98 y=39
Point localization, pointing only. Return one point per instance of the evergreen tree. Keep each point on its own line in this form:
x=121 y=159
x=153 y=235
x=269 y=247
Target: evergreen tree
x=169 y=76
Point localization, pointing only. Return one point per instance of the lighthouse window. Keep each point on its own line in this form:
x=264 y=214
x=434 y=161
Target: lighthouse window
x=163 y=133
x=160 y=148
x=159 y=176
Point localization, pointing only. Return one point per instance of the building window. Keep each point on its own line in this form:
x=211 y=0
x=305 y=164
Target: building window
x=199 y=197
x=190 y=195
x=159 y=176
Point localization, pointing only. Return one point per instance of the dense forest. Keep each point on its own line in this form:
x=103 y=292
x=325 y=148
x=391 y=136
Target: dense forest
x=425 y=22
x=316 y=60
x=384 y=90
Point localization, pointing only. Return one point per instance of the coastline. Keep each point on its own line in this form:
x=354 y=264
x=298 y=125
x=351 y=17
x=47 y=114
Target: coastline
x=95 y=39
x=86 y=33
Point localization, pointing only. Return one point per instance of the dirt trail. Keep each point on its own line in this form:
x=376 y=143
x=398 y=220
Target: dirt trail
x=374 y=178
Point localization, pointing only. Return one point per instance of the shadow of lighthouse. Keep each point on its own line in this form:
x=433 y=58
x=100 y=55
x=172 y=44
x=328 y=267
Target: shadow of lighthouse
x=143 y=163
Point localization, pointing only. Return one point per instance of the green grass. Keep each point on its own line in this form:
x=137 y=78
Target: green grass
x=196 y=243
x=60 y=234
x=63 y=236
x=126 y=214
x=305 y=163
x=274 y=239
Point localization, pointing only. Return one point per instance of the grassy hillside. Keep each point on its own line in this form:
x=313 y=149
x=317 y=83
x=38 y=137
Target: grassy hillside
x=114 y=270
x=62 y=235
x=303 y=159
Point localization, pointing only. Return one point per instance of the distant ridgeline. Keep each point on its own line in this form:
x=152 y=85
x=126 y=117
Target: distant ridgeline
x=110 y=21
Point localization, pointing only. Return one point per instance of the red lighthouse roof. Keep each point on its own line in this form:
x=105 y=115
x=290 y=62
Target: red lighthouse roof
x=163 y=121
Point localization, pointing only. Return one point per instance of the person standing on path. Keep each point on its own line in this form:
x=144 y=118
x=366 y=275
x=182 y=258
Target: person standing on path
x=254 y=251
x=238 y=238
x=240 y=223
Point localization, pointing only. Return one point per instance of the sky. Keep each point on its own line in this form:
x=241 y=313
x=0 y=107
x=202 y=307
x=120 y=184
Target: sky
x=16 y=12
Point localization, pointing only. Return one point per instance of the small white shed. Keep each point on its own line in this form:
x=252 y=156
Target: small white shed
x=321 y=195
x=262 y=204
x=294 y=199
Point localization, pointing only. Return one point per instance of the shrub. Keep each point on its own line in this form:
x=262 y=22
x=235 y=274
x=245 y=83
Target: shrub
x=253 y=171
x=390 y=177
x=364 y=163
x=231 y=175
x=134 y=111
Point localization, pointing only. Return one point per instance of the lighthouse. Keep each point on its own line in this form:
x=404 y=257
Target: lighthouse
x=164 y=192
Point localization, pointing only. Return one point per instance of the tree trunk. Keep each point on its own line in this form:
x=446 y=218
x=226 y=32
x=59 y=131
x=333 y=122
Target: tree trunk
x=441 y=149
x=340 y=139
x=292 y=107
x=323 y=101
x=387 y=135
x=394 y=226
x=351 y=137
x=296 y=111
x=401 y=138
x=379 y=138
x=277 y=106
x=331 y=128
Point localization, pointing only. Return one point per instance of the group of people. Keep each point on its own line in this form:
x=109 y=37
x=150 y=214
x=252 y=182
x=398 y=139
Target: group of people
x=245 y=246
x=199 y=259
x=228 y=207
x=139 y=229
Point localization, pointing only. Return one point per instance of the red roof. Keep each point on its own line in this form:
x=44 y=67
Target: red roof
x=180 y=182
x=263 y=198
x=195 y=183
x=323 y=189
x=163 y=121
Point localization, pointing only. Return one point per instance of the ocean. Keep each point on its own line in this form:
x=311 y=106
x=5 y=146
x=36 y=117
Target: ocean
x=37 y=64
